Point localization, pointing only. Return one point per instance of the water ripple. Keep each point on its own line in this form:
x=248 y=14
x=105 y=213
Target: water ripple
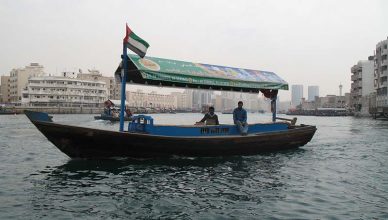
x=341 y=174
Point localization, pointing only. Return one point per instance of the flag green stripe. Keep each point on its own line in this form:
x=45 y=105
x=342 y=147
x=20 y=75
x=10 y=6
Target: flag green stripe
x=137 y=38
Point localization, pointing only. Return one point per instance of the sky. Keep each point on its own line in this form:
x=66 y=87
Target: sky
x=308 y=42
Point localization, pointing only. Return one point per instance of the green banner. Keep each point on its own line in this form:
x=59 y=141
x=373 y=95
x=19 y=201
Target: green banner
x=204 y=74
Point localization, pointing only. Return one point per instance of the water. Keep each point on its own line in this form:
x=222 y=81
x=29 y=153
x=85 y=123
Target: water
x=341 y=174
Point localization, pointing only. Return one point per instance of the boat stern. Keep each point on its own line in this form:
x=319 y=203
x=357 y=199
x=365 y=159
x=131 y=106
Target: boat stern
x=37 y=116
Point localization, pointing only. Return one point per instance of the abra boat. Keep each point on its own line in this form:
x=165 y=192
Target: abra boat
x=111 y=109
x=143 y=138
x=4 y=111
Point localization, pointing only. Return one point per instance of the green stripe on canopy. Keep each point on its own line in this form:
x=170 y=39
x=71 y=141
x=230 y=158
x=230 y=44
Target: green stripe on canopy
x=165 y=72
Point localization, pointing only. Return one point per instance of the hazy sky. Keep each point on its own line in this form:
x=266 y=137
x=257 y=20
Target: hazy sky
x=304 y=41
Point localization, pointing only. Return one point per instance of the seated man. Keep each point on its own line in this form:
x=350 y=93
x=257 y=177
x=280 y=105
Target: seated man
x=210 y=118
x=240 y=118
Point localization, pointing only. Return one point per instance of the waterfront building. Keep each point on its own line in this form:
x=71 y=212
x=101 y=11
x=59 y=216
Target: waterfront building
x=150 y=100
x=313 y=91
x=182 y=100
x=64 y=91
x=5 y=89
x=362 y=85
x=381 y=74
x=296 y=95
x=331 y=101
x=113 y=87
x=19 y=79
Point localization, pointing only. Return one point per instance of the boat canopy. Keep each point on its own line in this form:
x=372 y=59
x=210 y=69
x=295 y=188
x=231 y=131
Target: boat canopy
x=182 y=74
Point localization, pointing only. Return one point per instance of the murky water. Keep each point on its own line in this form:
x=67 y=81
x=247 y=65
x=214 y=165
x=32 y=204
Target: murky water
x=341 y=174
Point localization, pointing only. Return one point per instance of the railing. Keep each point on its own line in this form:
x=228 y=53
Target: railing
x=72 y=86
x=49 y=93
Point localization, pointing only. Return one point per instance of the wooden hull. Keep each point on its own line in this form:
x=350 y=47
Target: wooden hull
x=80 y=142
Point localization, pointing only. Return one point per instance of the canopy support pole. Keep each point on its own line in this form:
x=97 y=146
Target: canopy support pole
x=123 y=86
x=273 y=108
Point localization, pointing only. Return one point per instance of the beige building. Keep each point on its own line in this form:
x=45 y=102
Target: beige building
x=114 y=88
x=151 y=100
x=19 y=78
x=5 y=89
x=332 y=101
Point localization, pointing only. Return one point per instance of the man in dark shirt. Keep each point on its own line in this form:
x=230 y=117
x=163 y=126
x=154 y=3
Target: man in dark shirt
x=211 y=118
x=240 y=118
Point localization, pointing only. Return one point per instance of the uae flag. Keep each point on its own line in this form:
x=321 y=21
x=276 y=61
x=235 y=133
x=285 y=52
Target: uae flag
x=135 y=43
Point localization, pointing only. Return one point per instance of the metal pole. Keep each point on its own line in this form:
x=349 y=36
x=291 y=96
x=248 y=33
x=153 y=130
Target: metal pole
x=273 y=103
x=123 y=84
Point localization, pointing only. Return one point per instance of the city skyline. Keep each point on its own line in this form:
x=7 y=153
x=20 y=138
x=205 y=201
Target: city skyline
x=301 y=42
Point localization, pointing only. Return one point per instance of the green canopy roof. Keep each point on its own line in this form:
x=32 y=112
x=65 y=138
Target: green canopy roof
x=174 y=73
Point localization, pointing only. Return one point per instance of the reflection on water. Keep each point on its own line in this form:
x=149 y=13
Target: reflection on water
x=157 y=188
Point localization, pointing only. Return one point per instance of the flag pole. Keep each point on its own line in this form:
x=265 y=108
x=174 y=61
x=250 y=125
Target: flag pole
x=123 y=84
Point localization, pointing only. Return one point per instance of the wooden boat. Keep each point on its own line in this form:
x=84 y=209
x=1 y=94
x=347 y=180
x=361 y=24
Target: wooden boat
x=4 y=111
x=144 y=139
x=111 y=106
x=147 y=140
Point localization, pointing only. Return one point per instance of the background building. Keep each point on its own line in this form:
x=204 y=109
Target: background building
x=151 y=100
x=362 y=85
x=183 y=100
x=64 y=91
x=113 y=88
x=5 y=89
x=381 y=74
x=313 y=91
x=296 y=95
x=19 y=78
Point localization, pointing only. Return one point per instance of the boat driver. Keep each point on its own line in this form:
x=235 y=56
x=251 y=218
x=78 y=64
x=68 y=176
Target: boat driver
x=240 y=118
x=211 y=118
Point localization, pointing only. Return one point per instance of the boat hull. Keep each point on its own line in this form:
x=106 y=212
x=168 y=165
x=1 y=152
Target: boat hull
x=81 y=142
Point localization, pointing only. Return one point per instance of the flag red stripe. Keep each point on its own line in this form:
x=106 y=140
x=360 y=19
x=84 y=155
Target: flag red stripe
x=128 y=31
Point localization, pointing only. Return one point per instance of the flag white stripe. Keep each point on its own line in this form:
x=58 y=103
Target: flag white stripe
x=137 y=44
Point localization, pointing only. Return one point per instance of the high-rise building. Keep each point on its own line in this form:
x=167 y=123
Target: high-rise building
x=296 y=95
x=19 y=78
x=362 y=82
x=313 y=91
x=381 y=74
x=201 y=98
